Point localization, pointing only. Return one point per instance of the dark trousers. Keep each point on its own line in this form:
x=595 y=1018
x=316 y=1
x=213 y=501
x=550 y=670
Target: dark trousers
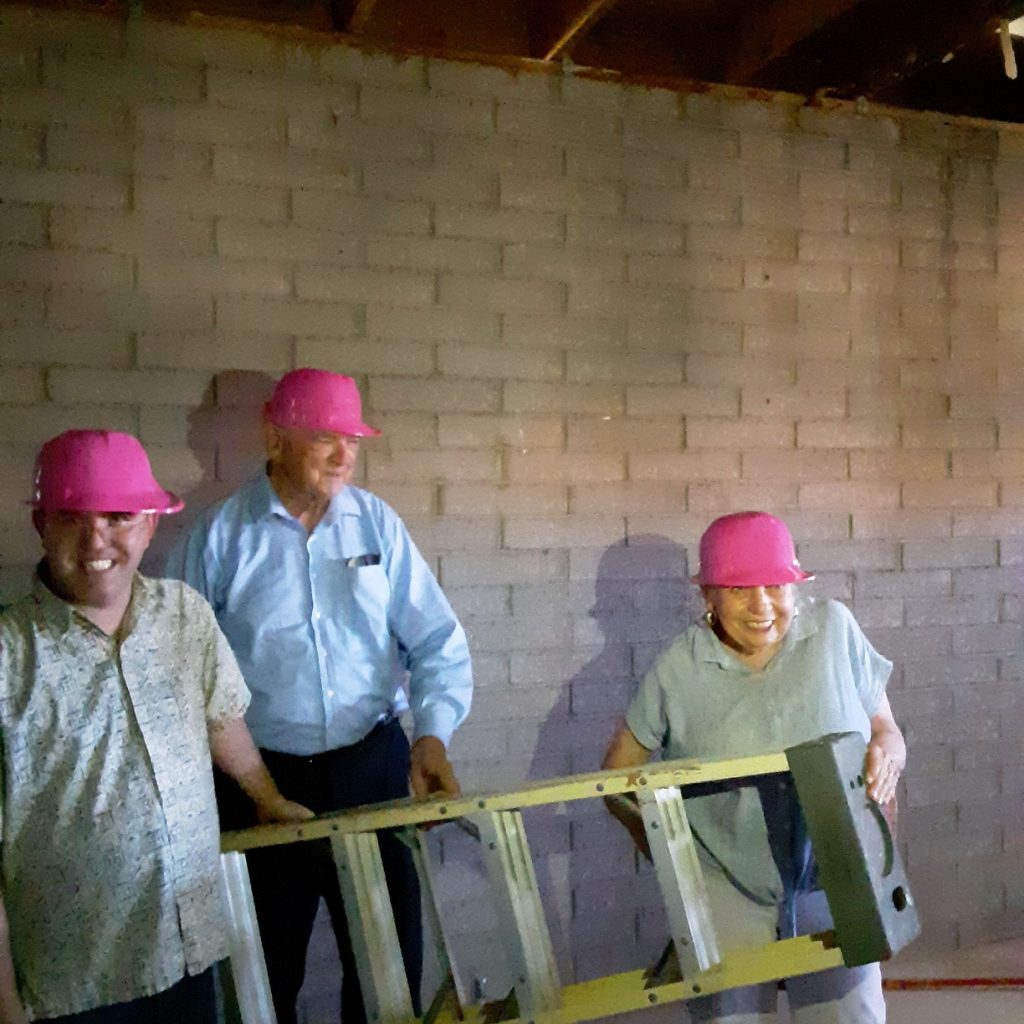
x=192 y=999
x=288 y=881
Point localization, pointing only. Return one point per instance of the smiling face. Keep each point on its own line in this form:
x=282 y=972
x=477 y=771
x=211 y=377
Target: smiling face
x=752 y=620
x=91 y=558
x=309 y=467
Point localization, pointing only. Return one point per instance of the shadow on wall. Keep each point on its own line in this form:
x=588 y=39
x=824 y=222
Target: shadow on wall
x=615 y=922
x=225 y=437
x=597 y=907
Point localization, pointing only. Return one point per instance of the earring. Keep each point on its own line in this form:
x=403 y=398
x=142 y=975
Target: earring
x=709 y=618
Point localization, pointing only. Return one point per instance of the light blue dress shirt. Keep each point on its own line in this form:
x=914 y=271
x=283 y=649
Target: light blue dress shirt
x=325 y=625
x=699 y=701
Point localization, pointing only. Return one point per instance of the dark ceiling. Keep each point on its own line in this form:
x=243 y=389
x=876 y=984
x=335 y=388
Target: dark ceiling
x=942 y=55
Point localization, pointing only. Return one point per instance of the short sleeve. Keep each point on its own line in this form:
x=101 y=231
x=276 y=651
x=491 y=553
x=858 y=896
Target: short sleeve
x=646 y=716
x=224 y=689
x=870 y=670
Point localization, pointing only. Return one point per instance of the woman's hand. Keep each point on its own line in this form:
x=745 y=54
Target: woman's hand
x=886 y=757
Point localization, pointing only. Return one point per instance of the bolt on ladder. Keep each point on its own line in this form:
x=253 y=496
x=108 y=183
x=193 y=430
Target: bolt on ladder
x=859 y=868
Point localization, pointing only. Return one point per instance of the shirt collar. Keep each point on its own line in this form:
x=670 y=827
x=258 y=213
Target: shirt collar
x=709 y=648
x=63 y=618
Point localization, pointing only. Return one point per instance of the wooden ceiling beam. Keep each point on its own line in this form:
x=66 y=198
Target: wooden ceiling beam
x=351 y=16
x=772 y=30
x=568 y=23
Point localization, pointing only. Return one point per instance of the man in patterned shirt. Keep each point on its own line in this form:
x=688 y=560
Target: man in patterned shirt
x=115 y=692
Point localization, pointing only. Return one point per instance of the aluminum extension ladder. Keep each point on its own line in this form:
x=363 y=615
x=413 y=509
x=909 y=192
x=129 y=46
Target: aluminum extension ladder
x=858 y=863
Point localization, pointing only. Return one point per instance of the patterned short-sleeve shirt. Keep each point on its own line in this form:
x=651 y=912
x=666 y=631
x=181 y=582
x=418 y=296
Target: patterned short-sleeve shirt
x=110 y=839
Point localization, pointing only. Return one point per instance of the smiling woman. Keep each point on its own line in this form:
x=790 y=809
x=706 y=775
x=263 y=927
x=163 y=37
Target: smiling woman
x=754 y=677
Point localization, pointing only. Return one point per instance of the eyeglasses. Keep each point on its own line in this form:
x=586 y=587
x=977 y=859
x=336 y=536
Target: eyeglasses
x=115 y=521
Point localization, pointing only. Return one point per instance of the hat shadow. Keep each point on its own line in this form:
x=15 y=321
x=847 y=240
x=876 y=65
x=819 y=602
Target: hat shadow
x=225 y=437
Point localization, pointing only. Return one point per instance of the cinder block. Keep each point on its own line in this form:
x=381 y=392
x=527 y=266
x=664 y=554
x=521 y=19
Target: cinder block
x=747 y=307
x=173 y=274
x=715 y=499
x=898 y=465
x=590 y=163
x=792 y=277
x=83 y=386
x=745 y=242
x=358 y=284
x=166 y=197
x=39 y=105
x=464 y=115
x=537 y=396
x=457 y=153
x=816 y=247
x=214 y=350
x=334 y=130
x=682 y=399
x=276 y=164
x=739 y=176
x=500 y=225
x=764 y=341
x=72 y=307
x=681 y=139
x=683 y=466
x=326 y=209
x=741 y=434
x=431 y=323
x=564 y=531
x=518 y=500
x=498 y=293
x=127 y=232
x=789 y=210
x=481 y=361
x=851 y=495
x=68 y=188
x=357 y=355
x=745 y=371
x=852 y=311
x=610 y=299
x=949 y=611
x=682 y=206
x=848 y=433
x=22 y=225
x=685 y=272
x=22 y=385
x=670 y=334
x=454 y=254
x=960 y=433
x=949 y=494
x=45 y=267
x=405 y=394
x=851 y=555
x=620 y=367
x=800 y=466
x=438 y=466
x=561 y=262
x=794 y=402
x=621 y=233
x=625 y=434
x=545 y=466
x=236 y=313
x=620 y=498
x=198 y=122
x=562 y=126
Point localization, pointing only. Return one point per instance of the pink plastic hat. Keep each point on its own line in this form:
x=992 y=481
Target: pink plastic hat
x=748 y=549
x=98 y=471
x=310 y=399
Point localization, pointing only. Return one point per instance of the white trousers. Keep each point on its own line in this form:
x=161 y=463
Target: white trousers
x=841 y=995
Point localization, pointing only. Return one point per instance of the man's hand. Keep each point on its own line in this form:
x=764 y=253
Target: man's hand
x=278 y=810
x=430 y=772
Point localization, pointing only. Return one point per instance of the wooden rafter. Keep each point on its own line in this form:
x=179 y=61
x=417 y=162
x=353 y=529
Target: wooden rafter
x=568 y=23
x=351 y=16
x=771 y=31
x=882 y=44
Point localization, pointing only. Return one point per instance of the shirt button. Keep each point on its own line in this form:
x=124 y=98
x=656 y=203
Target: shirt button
x=316 y=616
x=330 y=693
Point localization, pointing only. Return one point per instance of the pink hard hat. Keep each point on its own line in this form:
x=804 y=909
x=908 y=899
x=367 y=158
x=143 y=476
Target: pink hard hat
x=748 y=549
x=310 y=399
x=98 y=471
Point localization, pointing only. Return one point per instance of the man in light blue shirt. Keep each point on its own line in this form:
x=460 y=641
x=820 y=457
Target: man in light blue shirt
x=327 y=605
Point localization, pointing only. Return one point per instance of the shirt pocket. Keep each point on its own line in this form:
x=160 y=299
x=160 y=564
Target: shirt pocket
x=359 y=588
